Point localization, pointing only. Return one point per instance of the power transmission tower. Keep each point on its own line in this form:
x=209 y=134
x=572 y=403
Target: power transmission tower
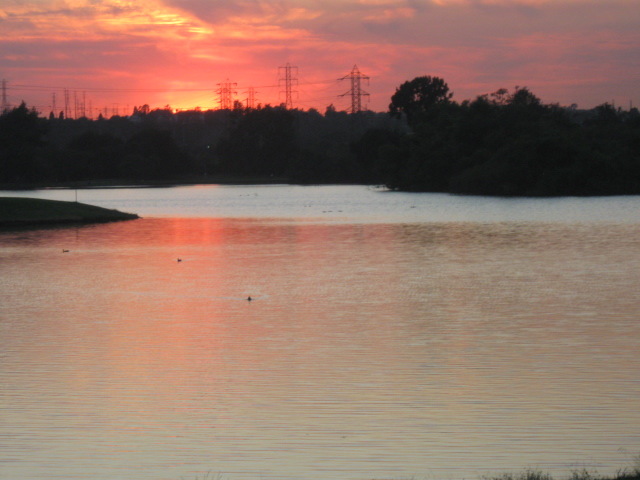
x=53 y=104
x=356 y=91
x=66 y=103
x=289 y=80
x=251 y=98
x=5 y=103
x=225 y=94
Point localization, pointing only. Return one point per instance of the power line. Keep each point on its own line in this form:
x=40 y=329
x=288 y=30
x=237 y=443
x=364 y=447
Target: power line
x=288 y=82
x=43 y=88
x=111 y=90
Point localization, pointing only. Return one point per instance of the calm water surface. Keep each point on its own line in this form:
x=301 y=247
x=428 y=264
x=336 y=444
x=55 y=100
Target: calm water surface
x=389 y=336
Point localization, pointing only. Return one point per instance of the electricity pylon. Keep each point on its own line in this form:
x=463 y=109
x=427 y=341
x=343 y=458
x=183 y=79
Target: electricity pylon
x=289 y=80
x=66 y=104
x=225 y=94
x=251 y=98
x=356 y=91
x=5 y=102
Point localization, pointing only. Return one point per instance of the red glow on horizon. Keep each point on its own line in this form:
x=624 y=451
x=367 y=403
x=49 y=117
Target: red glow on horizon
x=120 y=54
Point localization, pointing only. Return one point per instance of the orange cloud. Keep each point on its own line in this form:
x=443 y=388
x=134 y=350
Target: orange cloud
x=162 y=48
x=82 y=18
x=504 y=3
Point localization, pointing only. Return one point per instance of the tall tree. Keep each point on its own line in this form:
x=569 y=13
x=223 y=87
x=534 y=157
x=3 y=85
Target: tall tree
x=415 y=97
x=21 y=133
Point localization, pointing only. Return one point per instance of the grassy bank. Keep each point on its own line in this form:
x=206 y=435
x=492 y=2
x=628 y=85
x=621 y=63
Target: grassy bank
x=632 y=473
x=626 y=474
x=32 y=211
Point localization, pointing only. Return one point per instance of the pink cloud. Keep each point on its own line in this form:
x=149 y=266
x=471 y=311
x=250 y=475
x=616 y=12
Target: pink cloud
x=582 y=51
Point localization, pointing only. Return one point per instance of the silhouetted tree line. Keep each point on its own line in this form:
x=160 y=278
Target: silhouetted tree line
x=504 y=143
x=261 y=144
x=507 y=143
x=35 y=150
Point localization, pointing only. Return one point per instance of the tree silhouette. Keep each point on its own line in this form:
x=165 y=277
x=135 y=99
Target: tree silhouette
x=21 y=142
x=414 y=98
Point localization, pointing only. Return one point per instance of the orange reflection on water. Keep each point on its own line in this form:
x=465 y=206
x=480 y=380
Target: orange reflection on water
x=407 y=343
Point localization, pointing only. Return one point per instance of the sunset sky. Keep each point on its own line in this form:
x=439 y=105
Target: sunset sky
x=118 y=53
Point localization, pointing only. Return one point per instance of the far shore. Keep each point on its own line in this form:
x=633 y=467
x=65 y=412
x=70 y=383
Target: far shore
x=145 y=183
x=28 y=212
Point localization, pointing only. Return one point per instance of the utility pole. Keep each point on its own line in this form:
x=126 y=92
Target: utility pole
x=356 y=91
x=289 y=80
x=5 y=103
x=225 y=94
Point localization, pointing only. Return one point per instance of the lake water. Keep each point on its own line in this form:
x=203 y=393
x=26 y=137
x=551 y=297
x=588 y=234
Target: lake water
x=389 y=336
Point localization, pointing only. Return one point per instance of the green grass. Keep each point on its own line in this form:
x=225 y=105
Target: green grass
x=31 y=211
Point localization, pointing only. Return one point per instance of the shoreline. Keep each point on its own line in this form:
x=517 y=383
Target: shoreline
x=231 y=180
x=130 y=183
